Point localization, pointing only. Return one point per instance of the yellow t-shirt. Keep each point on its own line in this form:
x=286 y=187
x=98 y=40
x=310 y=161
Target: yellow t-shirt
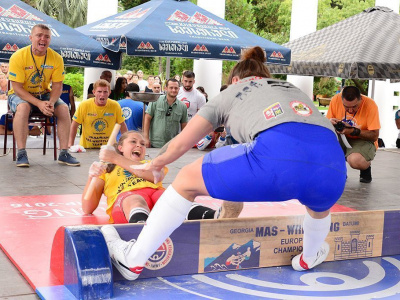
x=24 y=69
x=121 y=180
x=97 y=121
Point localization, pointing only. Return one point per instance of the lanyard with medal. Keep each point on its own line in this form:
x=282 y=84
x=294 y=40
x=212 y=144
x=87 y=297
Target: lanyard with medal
x=38 y=73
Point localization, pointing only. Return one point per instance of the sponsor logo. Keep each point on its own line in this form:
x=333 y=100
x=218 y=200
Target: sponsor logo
x=235 y=257
x=162 y=256
x=92 y=115
x=102 y=58
x=122 y=45
x=197 y=18
x=228 y=50
x=47 y=67
x=17 y=12
x=10 y=48
x=108 y=114
x=199 y=48
x=122 y=20
x=29 y=68
x=273 y=111
x=301 y=108
x=173 y=47
x=138 y=13
x=76 y=55
x=146 y=46
x=100 y=125
x=276 y=55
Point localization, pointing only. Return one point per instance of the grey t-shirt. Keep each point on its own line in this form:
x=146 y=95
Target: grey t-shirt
x=255 y=104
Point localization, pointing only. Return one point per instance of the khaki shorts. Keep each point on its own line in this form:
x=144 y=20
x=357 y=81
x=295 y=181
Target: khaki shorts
x=366 y=148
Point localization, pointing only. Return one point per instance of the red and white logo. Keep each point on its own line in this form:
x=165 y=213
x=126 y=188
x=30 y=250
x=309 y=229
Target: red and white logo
x=104 y=58
x=136 y=14
x=186 y=102
x=10 y=48
x=201 y=48
x=18 y=13
x=301 y=108
x=197 y=18
x=276 y=55
x=162 y=256
x=146 y=46
x=229 y=50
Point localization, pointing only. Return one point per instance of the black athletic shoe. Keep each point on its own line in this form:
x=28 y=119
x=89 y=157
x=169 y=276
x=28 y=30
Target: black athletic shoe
x=365 y=175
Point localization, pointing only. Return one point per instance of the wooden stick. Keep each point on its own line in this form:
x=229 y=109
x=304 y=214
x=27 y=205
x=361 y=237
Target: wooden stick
x=112 y=139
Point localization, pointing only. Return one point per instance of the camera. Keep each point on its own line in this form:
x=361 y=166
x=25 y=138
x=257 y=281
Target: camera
x=339 y=126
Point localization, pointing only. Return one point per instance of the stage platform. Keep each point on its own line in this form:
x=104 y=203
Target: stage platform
x=46 y=177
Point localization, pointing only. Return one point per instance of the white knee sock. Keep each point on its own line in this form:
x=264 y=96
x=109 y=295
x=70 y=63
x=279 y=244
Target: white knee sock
x=315 y=232
x=167 y=215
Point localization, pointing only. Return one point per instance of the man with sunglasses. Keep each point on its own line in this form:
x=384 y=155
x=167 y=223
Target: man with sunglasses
x=357 y=118
x=165 y=118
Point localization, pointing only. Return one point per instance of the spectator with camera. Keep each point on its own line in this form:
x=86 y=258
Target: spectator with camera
x=356 y=118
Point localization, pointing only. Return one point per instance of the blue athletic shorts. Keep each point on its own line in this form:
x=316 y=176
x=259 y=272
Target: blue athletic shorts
x=288 y=161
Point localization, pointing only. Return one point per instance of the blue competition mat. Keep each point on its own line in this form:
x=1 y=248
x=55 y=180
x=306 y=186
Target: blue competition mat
x=377 y=278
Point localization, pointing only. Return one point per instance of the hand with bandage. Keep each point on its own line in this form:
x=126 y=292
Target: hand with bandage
x=158 y=172
x=97 y=169
x=108 y=154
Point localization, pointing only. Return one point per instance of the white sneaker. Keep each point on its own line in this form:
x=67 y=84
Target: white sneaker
x=300 y=265
x=118 y=250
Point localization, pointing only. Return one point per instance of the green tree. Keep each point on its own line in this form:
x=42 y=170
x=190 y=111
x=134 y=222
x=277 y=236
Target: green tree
x=76 y=82
x=69 y=12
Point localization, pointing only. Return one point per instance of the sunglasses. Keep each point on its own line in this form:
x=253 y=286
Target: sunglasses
x=169 y=111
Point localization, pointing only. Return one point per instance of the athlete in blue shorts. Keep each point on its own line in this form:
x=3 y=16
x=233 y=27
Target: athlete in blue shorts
x=285 y=144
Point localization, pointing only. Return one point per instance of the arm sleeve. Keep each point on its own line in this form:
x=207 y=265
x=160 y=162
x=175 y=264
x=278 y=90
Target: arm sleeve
x=16 y=71
x=214 y=110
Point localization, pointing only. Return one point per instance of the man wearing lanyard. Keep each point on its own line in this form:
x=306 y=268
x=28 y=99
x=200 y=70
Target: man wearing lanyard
x=32 y=68
x=356 y=118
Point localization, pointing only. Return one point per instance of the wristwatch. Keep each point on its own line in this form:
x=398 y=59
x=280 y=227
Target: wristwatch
x=356 y=132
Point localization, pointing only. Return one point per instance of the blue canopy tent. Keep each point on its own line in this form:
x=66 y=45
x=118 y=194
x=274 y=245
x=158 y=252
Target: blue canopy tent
x=16 y=21
x=174 y=28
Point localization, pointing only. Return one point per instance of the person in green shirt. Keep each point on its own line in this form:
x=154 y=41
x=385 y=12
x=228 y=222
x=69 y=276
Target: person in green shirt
x=165 y=117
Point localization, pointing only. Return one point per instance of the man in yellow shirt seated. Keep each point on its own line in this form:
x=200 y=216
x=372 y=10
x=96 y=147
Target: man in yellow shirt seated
x=98 y=116
x=31 y=71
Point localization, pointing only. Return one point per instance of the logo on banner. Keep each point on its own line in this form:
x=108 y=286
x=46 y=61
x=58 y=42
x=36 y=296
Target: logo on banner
x=136 y=14
x=145 y=46
x=162 y=256
x=235 y=257
x=17 y=12
x=228 y=50
x=169 y=46
x=197 y=18
x=201 y=48
x=276 y=55
x=102 y=58
x=10 y=48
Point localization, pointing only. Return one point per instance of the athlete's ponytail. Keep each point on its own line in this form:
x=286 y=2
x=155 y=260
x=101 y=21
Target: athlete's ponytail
x=251 y=64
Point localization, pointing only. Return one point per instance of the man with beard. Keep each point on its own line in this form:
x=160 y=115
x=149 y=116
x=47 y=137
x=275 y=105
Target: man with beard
x=192 y=98
x=165 y=117
x=97 y=116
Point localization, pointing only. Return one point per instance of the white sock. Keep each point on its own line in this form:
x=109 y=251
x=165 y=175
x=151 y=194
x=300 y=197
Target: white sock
x=315 y=232
x=167 y=215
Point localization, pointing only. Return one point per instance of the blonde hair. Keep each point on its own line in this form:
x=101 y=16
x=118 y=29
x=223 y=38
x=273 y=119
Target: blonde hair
x=251 y=64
